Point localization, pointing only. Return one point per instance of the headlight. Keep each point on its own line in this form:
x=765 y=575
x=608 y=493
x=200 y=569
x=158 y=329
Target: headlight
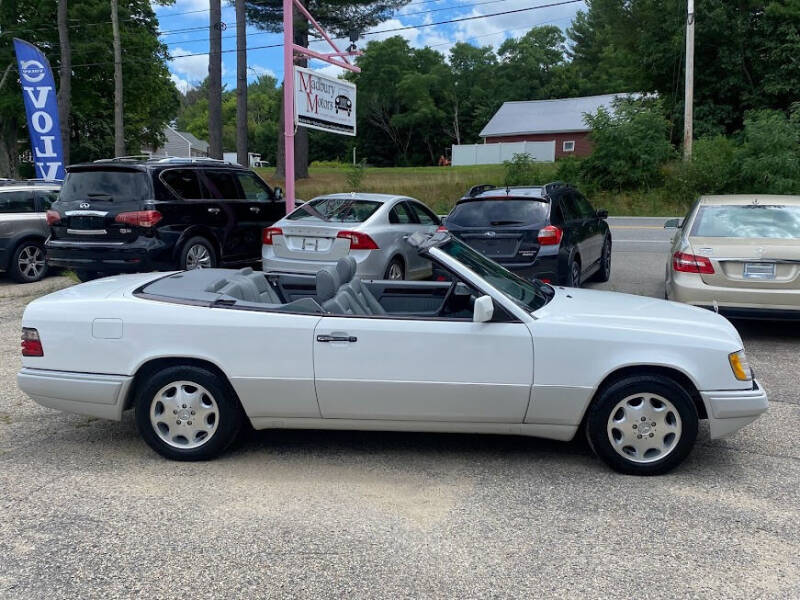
x=740 y=366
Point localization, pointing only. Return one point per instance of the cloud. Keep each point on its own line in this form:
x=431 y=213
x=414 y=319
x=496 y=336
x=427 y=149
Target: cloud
x=192 y=8
x=258 y=71
x=194 y=66
x=182 y=84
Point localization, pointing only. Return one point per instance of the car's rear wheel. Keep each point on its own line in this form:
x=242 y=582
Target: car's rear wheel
x=573 y=278
x=604 y=271
x=28 y=263
x=396 y=270
x=642 y=425
x=198 y=253
x=187 y=413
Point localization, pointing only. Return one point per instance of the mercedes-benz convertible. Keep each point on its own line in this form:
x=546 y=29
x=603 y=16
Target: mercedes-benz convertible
x=195 y=354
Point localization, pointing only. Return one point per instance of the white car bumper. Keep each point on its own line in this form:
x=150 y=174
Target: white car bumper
x=101 y=396
x=730 y=410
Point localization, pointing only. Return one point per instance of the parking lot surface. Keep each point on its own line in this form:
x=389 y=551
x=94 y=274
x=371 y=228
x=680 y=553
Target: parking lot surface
x=87 y=510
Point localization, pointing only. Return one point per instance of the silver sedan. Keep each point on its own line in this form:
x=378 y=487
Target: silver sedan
x=372 y=228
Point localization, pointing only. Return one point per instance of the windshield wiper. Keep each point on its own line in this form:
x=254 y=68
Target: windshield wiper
x=108 y=197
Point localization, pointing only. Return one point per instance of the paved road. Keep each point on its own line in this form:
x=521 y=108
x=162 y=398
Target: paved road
x=86 y=510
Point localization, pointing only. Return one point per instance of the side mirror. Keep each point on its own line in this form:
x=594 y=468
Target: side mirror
x=484 y=309
x=278 y=193
x=673 y=224
x=602 y=213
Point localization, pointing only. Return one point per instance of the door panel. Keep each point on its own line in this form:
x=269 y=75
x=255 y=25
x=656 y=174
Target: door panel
x=423 y=370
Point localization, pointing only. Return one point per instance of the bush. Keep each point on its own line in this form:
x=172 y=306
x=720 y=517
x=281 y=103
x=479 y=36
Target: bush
x=568 y=170
x=713 y=170
x=630 y=145
x=354 y=175
x=769 y=160
x=523 y=169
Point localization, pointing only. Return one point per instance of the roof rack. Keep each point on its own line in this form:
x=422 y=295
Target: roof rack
x=32 y=181
x=131 y=158
x=192 y=159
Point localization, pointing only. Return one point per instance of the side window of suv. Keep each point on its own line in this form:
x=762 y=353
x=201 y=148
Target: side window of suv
x=46 y=199
x=568 y=208
x=17 y=202
x=221 y=185
x=254 y=187
x=183 y=182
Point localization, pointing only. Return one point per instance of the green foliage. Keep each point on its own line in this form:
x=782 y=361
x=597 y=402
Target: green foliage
x=569 y=170
x=769 y=159
x=354 y=176
x=520 y=170
x=631 y=144
x=712 y=170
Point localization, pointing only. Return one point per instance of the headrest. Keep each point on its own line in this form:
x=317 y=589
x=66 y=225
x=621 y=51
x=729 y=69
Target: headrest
x=353 y=265
x=345 y=269
x=245 y=271
x=217 y=285
x=327 y=284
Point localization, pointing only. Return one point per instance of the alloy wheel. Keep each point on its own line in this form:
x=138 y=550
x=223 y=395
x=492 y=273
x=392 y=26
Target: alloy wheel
x=31 y=262
x=644 y=428
x=395 y=271
x=184 y=414
x=198 y=257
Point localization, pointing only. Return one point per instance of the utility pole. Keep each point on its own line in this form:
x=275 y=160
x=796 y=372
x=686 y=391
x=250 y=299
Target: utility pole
x=215 y=27
x=119 y=129
x=65 y=80
x=241 y=85
x=688 y=102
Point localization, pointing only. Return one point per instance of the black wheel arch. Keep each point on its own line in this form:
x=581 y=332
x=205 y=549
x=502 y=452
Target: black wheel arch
x=197 y=231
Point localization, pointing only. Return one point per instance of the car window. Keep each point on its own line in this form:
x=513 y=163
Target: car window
x=254 y=187
x=424 y=215
x=46 y=198
x=108 y=185
x=17 y=202
x=349 y=210
x=221 y=185
x=400 y=214
x=748 y=221
x=556 y=214
x=584 y=208
x=493 y=213
x=183 y=182
x=569 y=208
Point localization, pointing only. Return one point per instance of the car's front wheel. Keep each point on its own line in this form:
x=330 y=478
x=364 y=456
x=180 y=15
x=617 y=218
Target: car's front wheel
x=642 y=425
x=187 y=413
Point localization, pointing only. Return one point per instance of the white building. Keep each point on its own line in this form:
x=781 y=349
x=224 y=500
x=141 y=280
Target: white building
x=181 y=144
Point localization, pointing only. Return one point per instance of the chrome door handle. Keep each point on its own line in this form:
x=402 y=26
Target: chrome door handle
x=337 y=338
x=213 y=211
x=255 y=209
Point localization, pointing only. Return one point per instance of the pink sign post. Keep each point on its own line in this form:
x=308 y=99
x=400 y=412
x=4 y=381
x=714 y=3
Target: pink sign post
x=337 y=57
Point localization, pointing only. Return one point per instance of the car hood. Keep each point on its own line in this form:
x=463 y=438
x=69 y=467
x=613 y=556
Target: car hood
x=637 y=315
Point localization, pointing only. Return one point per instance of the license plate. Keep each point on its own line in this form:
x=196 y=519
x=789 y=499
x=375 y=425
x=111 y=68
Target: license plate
x=759 y=270
x=311 y=244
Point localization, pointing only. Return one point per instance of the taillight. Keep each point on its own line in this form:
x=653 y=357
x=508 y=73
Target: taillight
x=31 y=344
x=550 y=235
x=691 y=263
x=52 y=217
x=139 y=218
x=358 y=240
x=441 y=228
x=268 y=234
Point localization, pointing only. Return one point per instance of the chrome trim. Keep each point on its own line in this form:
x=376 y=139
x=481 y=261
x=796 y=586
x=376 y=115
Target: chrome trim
x=85 y=213
x=87 y=231
x=71 y=243
x=782 y=261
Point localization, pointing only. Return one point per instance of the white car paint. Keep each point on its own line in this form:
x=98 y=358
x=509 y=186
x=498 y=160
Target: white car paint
x=534 y=377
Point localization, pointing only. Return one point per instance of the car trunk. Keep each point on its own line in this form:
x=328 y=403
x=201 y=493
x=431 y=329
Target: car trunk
x=311 y=242
x=750 y=263
x=505 y=245
x=91 y=200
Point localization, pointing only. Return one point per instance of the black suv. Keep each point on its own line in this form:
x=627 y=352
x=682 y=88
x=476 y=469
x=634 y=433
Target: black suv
x=548 y=232
x=124 y=215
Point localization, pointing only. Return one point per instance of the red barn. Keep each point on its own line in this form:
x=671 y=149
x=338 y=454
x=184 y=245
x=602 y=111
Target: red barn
x=560 y=120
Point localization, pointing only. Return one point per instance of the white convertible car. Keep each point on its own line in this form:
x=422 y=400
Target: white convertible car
x=196 y=353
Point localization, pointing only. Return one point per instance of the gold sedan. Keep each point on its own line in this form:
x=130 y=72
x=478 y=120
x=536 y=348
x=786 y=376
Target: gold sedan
x=738 y=254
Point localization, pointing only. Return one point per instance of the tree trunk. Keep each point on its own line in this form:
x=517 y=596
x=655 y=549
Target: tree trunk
x=65 y=84
x=301 y=135
x=8 y=148
x=119 y=128
x=215 y=80
x=241 y=85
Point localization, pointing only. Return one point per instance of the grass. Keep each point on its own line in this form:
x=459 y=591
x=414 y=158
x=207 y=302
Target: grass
x=440 y=187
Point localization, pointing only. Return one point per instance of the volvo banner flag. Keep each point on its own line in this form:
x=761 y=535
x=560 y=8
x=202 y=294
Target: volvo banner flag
x=41 y=106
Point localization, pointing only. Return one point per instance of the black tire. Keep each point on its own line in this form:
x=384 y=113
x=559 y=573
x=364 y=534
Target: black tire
x=396 y=267
x=84 y=276
x=196 y=253
x=600 y=429
x=28 y=262
x=603 y=273
x=228 y=418
x=573 y=275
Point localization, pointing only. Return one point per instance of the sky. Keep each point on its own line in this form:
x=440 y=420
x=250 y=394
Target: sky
x=184 y=27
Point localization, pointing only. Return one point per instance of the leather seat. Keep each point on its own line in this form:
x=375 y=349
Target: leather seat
x=247 y=285
x=361 y=292
x=332 y=295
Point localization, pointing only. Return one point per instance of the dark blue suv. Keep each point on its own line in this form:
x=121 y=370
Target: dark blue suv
x=547 y=232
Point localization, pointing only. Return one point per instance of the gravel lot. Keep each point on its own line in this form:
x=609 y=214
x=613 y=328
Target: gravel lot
x=87 y=510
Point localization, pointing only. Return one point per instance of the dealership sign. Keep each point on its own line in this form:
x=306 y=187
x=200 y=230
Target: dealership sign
x=323 y=102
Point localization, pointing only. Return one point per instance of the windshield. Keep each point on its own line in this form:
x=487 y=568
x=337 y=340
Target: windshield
x=487 y=213
x=111 y=185
x=749 y=221
x=530 y=295
x=349 y=210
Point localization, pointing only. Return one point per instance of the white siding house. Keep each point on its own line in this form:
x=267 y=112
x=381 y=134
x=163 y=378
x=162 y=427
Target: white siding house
x=181 y=144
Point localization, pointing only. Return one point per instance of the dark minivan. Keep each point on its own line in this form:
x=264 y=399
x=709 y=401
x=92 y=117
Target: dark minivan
x=117 y=216
x=548 y=232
